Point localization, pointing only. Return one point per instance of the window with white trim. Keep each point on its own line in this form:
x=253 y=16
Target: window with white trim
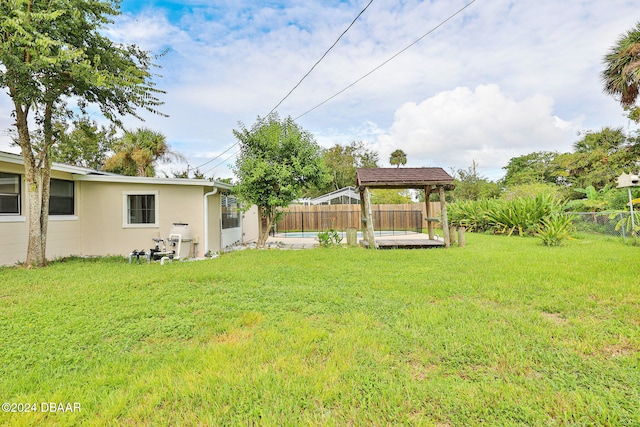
x=61 y=197
x=140 y=209
x=9 y=194
x=230 y=212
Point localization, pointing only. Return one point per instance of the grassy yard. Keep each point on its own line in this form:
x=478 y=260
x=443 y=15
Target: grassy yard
x=502 y=332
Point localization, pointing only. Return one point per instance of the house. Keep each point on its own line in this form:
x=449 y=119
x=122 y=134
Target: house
x=344 y=196
x=97 y=213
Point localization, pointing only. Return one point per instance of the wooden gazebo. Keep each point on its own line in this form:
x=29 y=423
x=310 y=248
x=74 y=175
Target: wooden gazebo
x=430 y=180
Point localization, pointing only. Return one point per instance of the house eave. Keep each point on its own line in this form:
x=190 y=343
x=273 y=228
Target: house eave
x=86 y=174
x=152 y=181
x=59 y=167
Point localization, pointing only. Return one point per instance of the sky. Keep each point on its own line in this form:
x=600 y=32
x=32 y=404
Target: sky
x=499 y=80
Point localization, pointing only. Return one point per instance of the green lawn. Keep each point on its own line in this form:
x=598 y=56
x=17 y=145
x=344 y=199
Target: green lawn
x=502 y=332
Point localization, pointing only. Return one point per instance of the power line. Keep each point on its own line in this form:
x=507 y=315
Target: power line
x=301 y=80
x=224 y=161
x=450 y=17
x=390 y=59
x=322 y=57
x=215 y=158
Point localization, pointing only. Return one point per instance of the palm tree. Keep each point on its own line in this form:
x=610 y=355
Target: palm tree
x=621 y=76
x=137 y=152
x=398 y=158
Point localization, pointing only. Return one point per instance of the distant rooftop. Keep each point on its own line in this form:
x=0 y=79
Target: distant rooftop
x=343 y=196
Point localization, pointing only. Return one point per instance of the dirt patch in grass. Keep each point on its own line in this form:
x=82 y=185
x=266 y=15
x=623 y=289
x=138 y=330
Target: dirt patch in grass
x=554 y=318
x=419 y=371
x=620 y=349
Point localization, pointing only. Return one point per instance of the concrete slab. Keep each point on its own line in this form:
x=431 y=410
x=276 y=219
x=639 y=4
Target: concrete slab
x=410 y=240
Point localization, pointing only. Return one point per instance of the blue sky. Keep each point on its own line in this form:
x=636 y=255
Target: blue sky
x=502 y=79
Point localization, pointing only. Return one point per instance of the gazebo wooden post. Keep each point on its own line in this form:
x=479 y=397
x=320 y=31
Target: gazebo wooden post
x=363 y=216
x=445 y=220
x=427 y=192
x=371 y=238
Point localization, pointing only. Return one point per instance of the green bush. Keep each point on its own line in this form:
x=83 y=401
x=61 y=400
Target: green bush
x=554 y=229
x=472 y=214
x=626 y=224
x=521 y=215
x=329 y=238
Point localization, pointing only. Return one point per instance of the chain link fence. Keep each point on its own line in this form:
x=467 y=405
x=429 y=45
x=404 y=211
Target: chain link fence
x=607 y=223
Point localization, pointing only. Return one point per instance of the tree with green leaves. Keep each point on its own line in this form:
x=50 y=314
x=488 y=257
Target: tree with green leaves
x=277 y=160
x=621 y=76
x=343 y=161
x=189 y=173
x=84 y=143
x=398 y=158
x=536 y=167
x=471 y=185
x=390 y=197
x=136 y=153
x=56 y=52
x=600 y=157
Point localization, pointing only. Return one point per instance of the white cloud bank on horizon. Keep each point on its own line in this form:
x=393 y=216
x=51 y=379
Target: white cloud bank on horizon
x=456 y=127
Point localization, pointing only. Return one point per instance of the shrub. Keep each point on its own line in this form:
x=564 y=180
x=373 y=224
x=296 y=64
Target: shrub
x=521 y=215
x=554 y=229
x=471 y=214
x=626 y=224
x=329 y=238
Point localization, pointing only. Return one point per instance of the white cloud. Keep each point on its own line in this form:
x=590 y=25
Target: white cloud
x=454 y=128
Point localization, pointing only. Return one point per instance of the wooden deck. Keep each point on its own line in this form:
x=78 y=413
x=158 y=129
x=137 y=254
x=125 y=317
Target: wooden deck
x=405 y=243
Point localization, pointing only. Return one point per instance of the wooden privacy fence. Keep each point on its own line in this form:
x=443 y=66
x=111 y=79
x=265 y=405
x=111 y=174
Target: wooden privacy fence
x=340 y=217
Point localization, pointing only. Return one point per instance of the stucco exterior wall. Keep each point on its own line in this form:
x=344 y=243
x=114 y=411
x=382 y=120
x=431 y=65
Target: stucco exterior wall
x=250 y=225
x=104 y=228
x=99 y=223
x=63 y=236
x=13 y=241
x=215 y=225
x=13 y=228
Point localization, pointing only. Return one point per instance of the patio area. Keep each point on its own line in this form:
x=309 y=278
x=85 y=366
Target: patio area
x=398 y=241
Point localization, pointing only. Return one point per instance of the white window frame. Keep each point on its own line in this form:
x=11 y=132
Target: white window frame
x=224 y=202
x=12 y=218
x=125 y=209
x=65 y=216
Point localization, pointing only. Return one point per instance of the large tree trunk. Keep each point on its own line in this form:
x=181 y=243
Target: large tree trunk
x=37 y=180
x=37 y=200
x=264 y=228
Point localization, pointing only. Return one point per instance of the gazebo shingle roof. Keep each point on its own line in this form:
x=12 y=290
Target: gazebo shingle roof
x=403 y=178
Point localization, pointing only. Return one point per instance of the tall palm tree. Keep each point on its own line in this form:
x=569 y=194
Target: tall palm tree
x=398 y=158
x=621 y=76
x=137 y=152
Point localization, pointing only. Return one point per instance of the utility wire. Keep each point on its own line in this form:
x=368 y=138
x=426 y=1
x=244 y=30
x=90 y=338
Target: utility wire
x=322 y=57
x=364 y=76
x=215 y=158
x=388 y=60
x=302 y=79
x=224 y=161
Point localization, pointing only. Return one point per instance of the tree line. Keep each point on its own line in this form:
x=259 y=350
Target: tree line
x=594 y=164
